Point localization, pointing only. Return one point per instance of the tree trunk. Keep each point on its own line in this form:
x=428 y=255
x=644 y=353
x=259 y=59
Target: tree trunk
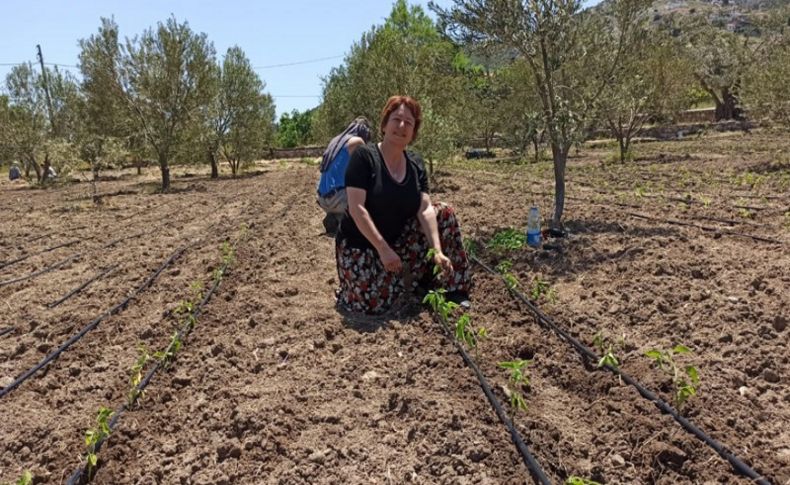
x=212 y=158
x=623 y=147
x=45 y=170
x=165 y=172
x=727 y=106
x=139 y=167
x=36 y=167
x=560 y=156
x=536 y=144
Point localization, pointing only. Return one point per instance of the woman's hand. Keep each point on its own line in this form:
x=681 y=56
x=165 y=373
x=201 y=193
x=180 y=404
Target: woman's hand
x=390 y=259
x=439 y=259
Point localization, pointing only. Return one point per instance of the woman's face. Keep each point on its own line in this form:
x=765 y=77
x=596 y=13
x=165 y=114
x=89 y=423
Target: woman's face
x=400 y=126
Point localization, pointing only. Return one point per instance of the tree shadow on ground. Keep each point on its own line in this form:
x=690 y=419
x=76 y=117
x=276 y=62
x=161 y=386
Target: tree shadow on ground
x=590 y=244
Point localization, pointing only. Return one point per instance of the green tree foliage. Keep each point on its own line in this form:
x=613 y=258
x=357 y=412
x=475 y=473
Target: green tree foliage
x=520 y=114
x=241 y=114
x=766 y=90
x=295 y=129
x=721 y=58
x=166 y=78
x=570 y=53
x=651 y=83
x=106 y=134
x=28 y=133
x=405 y=55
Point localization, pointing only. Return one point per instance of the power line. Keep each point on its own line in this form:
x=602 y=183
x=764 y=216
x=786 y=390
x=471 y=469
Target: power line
x=271 y=66
x=298 y=62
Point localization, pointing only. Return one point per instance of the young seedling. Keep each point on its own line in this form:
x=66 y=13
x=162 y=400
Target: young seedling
x=605 y=349
x=166 y=356
x=95 y=435
x=503 y=268
x=429 y=257
x=137 y=376
x=518 y=379
x=439 y=304
x=686 y=380
x=470 y=246
x=574 y=480
x=25 y=479
x=541 y=287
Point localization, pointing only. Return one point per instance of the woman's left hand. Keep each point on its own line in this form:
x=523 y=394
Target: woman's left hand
x=439 y=259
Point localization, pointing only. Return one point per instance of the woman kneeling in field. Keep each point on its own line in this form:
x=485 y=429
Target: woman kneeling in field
x=391 y=223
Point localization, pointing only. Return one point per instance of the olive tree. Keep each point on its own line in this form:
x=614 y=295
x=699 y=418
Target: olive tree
x=248 y=112
x=38 y=139
x=166 y=77
x=650 y=84
x=571 y=54
x=766 y=90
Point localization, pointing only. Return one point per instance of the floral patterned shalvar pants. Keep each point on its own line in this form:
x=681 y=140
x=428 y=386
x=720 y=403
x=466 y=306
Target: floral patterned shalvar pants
x=366 y=287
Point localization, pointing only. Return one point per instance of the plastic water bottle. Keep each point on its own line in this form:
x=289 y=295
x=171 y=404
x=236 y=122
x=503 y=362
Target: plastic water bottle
x=533 y=227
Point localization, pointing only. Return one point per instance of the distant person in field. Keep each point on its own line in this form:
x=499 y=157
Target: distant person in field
x=391 y=223
x=14 y=173
x=332 y=185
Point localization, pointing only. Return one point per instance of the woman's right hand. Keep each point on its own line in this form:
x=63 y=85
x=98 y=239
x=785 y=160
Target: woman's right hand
x=390 y=259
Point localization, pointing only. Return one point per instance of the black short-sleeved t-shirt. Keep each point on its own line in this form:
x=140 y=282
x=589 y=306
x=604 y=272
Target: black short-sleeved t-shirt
x=390 y=204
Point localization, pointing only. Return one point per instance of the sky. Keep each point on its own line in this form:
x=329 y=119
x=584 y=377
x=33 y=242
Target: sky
x=291 y=44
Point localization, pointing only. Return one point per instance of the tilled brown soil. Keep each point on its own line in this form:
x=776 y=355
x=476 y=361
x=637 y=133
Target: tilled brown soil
x=274 y=386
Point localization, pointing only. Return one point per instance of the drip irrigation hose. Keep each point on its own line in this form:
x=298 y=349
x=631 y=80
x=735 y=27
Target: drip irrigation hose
x=736 y=462
x=79 y=476
x=705 y=228
x=538 y=476
x=81 y=287
x=22 y=258
x=41 y=271
x=93 y=324
x=7 y=330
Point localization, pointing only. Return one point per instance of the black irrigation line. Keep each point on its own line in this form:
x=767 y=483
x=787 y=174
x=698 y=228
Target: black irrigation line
x=538 y=476
x=7 y=330
x=81 y=287
x=705 y=228
x=739 y=466
x=80 y=476
x=120 y=239
x=22 y=258
x=93 y=324
x=69 y=258
x=41 y=271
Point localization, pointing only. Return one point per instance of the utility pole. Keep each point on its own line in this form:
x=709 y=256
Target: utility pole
x=46 y=88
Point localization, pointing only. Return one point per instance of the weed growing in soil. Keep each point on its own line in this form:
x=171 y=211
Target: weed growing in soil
x=137 y=376
x=95 y=435
x=574 y=480
x=605 y=349
x=507 y=240
x=517 y=379
x=686 y=380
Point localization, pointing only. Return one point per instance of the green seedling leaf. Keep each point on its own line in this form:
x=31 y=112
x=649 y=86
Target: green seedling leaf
x=681 y=349
x=25 y=479
x=574 y=480
x=691 y=371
